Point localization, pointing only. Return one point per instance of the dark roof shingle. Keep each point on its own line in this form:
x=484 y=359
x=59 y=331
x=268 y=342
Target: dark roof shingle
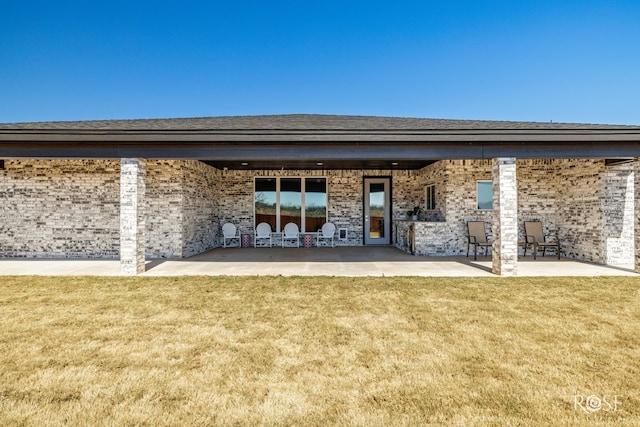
x=302 y=122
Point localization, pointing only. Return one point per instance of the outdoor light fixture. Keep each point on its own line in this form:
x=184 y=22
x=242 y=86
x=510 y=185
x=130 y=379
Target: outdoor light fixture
x=319 y=163
x=244 y=164
x=394 y=163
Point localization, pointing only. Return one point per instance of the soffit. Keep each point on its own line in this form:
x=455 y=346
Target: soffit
x=301 y=141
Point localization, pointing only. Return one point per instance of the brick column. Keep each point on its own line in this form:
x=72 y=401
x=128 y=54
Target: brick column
x=636 y=211
x=505 y=217
x=132 y=220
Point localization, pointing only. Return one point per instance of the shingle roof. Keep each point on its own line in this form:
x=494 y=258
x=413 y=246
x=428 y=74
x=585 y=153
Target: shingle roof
x=303 y=122
x=304 y=140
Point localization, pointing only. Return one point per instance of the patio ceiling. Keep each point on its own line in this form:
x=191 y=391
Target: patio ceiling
x=318 y=164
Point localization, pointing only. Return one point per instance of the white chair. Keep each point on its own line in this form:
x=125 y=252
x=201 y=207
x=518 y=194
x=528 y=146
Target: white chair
x=291 y=232
x=229 y=232
x=326 y=233
x=262 y=232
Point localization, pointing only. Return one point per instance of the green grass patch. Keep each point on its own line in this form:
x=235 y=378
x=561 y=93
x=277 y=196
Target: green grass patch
x=319 y=351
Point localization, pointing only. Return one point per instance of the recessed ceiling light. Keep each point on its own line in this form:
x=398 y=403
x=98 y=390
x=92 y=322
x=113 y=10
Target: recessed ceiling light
x=319 y=163
x=244 y=164
x=394 y=163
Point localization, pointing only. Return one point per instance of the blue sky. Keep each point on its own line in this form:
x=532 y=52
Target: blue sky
x=566 y=61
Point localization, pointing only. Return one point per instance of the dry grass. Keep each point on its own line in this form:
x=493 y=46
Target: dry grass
x=317 y=351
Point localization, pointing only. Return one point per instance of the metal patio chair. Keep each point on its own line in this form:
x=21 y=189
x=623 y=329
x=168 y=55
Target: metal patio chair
x=477 y=236
x=291 y=233
x=229 y=233
x=535 y=239
x=327 y=232
x=262 y=232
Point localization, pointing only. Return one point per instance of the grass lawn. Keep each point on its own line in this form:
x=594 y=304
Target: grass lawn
x=319 y=351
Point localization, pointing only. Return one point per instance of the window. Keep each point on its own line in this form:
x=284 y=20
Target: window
x=315 y=203
x=265 y=201
x=430 y=198
x=279 y=201
x=291 y=201
x=485 y=195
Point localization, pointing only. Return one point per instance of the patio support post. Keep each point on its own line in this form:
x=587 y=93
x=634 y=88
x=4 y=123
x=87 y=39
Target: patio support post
x=636 y=209
x=132 y=219
x=505 y=217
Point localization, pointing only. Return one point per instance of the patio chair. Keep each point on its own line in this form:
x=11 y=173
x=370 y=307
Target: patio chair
x=326 y=233
x=292 y=233
x=229 y=233
x=262 y=232
x=477 y=236
x=535 y=239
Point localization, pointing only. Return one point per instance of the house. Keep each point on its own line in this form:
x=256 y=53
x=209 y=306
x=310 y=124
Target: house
x=140 y=189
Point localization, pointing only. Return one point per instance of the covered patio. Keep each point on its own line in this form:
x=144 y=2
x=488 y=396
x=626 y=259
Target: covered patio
x=151 y=193
x=381 y=261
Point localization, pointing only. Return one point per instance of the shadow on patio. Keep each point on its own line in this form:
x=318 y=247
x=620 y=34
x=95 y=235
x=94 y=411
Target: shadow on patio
x=342 y=261
x=363 y=261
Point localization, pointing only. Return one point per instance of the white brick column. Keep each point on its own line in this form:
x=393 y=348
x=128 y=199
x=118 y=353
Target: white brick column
x=636 y=211
x=132 y=219
x=505 y=217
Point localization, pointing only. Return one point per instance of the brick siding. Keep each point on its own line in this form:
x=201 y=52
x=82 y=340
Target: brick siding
x=70 y=208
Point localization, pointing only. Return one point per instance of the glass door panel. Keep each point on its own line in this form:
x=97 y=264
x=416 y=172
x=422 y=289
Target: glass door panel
x=377 y=211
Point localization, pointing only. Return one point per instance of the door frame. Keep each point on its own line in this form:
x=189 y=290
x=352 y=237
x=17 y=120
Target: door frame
x=387 y=215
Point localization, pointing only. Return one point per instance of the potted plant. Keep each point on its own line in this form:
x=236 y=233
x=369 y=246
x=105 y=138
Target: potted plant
x=414 y=213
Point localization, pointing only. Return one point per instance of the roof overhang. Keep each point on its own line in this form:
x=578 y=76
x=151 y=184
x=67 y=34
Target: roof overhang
x=323 y=147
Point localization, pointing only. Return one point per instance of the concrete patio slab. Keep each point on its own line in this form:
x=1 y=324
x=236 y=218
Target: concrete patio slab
x=342 y=261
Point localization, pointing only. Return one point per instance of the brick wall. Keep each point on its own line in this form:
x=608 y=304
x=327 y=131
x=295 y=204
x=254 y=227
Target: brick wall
x=585 y=204
x=164 y=209
x=344 y=196
x=60 y=208
x=200 y=214
x=618 y=213
x=70 y=208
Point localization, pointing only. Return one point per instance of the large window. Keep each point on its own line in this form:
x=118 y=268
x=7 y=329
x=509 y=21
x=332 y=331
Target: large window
x=485 y=195
x=279 y=201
